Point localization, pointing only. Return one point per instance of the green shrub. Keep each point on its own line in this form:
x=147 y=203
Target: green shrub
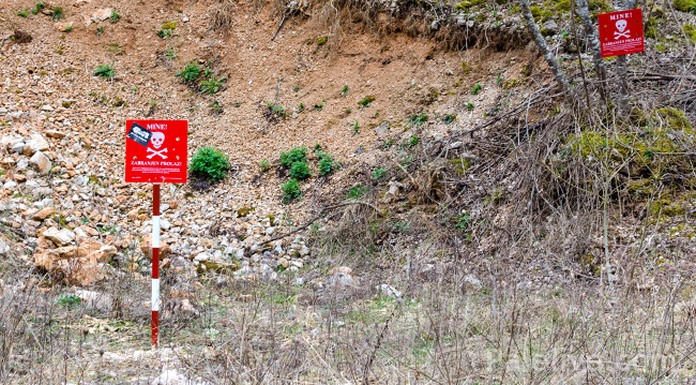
x=291 y=190
x=210 y=164
x=322 y=40
x=299 y=171
x=327 y=164
x=344 y=91
x=190 y=73
x=297 y=154
x=22 y=13
x=105 y=71
x=469 y=106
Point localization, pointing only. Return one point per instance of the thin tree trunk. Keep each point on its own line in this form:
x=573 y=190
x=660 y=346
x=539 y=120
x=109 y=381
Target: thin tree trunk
x=584 y=13
x=541 y=43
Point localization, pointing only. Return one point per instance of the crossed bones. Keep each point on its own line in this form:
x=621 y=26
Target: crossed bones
x=624 y=34
x=154 y=153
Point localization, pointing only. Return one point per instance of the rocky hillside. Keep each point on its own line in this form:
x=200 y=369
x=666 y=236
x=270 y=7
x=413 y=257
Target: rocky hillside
x=458 y=206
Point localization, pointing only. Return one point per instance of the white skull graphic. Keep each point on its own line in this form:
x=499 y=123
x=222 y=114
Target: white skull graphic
x=157 y=140
x=621 y=25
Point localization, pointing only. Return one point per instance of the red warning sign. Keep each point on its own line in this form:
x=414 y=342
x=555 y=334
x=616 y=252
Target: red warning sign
x=621 y=32
x=156 y=151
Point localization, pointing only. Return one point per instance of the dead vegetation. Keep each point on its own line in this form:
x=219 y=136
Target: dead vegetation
x=552 y=244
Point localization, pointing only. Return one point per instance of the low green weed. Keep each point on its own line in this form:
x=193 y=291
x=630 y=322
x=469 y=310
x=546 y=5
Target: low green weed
x=105 y=71
x=366 y=101
x=212 y=85
x=190 y=72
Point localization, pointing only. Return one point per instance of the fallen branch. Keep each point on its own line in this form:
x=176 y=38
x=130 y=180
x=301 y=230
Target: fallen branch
x=648 y=76
x=317 y=217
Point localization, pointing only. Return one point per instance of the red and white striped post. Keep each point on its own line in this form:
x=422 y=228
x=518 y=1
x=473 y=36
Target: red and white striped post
x=155 y=264
x=145 y=163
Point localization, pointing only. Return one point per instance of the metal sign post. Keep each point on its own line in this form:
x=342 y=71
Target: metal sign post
x=155 y=264
x=156 y=152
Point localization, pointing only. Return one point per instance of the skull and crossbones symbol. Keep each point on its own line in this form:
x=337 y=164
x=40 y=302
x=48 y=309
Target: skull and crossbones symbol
x=157 y=141
x=621 y=30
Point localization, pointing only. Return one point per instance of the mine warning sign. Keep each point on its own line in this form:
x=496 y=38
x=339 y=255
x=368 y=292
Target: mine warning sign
x=621 y=32
x=156 y=151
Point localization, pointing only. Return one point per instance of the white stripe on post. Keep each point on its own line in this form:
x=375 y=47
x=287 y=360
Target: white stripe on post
x=155 y=295
x=156 y=232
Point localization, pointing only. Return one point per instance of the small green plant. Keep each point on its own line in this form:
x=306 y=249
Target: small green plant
x=413 y=141
x=105 y=71
x=417 y=120
x=275 y=111
x=100 y=31
x=327 y=164
x=299 y=171
x=356 y=128
x=115 y=16
x=322 y=40
x=166 y=33
x=366 y=101
x=379 y=173
x=318 y=106
x=216 y=107
x=57 y=13
x=22 y=13
x=344 y=91
x=297 y=154
x=37 y=8
x=357 y=192
x=189 y=74
x=469 y=106
x=476 y=89
x=170 y=53
x=68 y=28
x=265 y=165
x=449 y=118
x=212 y=85
x=462 y=222
x=291 y=190
x=116 y=49
x=300 y=107
x=210 y=164
x=68 y=300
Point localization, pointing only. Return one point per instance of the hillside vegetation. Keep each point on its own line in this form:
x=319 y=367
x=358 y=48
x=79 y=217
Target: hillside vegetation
x=380 y=192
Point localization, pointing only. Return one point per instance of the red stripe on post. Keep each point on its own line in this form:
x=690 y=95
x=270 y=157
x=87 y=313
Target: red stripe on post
x=155 y=328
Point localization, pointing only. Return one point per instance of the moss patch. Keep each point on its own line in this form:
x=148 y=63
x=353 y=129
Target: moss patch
x=690 y=31
x=688 y=6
